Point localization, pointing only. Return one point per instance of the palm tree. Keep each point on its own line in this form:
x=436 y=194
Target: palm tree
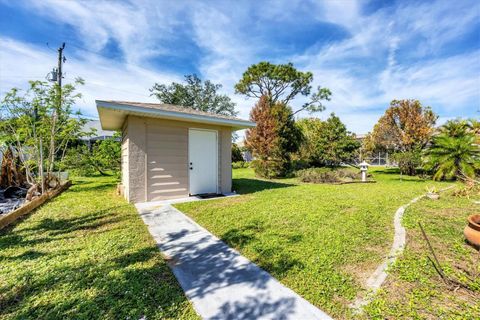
x=474 y=126
x=454 y=152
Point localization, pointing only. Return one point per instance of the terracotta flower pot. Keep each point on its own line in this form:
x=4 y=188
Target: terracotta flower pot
x=472 y=230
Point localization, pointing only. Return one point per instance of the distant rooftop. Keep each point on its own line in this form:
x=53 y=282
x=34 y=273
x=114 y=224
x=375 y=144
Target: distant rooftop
x=100 y=133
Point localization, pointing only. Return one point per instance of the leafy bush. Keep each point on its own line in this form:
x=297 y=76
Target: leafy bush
x=271 y=168
x=102 y=157
x=324 y=175
x=240 y=164
x=408 y=161
x=300 y=164
x=454 y=152
x=236 y=153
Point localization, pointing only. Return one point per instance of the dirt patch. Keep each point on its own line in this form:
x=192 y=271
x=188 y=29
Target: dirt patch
x=360 y=271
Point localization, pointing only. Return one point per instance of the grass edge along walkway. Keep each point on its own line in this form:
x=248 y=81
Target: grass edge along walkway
x=320 y=240
x=86 y=255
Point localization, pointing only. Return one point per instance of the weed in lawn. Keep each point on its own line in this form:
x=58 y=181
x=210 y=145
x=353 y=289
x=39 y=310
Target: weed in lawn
x=318 y=239
x=86 y=255
x=414 y=289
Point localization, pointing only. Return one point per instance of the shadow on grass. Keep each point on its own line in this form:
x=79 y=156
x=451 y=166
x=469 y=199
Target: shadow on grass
x=246 y=186
x=271 y=256
x=118 y=290
x=386 y=170
x=27 y=255
x=83 y=186
x=132 y=282
x=89 y=221
x=52 y=228
x=211 y=270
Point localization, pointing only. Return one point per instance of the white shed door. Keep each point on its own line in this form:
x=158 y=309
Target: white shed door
x=203 y=161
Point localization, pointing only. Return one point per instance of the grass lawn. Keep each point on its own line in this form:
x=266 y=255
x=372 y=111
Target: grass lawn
x=86 y=255
x=320 y=240
x=413 y=289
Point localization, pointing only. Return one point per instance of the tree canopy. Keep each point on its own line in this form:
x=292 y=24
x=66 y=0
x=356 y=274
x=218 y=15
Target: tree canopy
x=40 y=123
x=326 y=143
x=281 y=83
x=195 y=94
x=273 y=139
x=405 y=126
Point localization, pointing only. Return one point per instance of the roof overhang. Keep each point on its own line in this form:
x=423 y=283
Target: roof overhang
x=113 y=115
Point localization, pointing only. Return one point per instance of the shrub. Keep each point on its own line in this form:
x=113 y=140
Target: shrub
x=271 y=168
x=454 y=153
x=240 y=164
x=324 y=175
x=103 y=158
x=236 y=153
x=408 y=161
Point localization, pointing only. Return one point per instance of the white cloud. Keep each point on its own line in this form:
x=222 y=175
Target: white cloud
x=140 y=27
x=104 y=79
x=395 y=53
x=391 y=53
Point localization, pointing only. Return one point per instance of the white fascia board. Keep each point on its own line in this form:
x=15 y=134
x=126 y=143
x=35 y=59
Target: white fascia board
x=179 y=116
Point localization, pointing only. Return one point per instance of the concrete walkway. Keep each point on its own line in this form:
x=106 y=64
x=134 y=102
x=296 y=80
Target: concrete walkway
x=220 y=282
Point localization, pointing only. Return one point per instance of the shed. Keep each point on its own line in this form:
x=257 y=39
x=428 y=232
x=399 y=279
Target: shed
x=171 y=151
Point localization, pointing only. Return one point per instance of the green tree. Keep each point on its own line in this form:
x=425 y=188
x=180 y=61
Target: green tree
x=282 y=83
x=327 y=143
x=404 y=129
x=236 y=153
x=103 y=157
x=195 y=94
x=454 y=152
x=274 y=138
x=40 y=123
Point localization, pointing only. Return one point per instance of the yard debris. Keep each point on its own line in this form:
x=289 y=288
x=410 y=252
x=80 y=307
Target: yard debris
x=33 y=191
x=15 y=190
x=11 y=200
x=12 y=182
x=451 y=282
x=12 y=173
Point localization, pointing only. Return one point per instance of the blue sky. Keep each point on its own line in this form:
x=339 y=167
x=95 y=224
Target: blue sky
x=366 y=52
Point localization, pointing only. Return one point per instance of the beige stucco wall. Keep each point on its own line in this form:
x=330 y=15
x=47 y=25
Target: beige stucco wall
x=158 y=158
x=124 y=159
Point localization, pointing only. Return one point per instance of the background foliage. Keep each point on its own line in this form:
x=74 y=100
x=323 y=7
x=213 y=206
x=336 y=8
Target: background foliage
x=41 y=124
x=327 y=143
x=274 y=138
x=195 y=94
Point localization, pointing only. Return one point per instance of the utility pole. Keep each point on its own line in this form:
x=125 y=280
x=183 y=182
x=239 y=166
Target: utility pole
x=61 y=60
x=58 y=79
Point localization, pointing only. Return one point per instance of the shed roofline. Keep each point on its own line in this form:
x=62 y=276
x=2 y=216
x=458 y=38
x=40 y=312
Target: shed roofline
x=108 y=110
